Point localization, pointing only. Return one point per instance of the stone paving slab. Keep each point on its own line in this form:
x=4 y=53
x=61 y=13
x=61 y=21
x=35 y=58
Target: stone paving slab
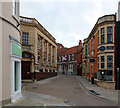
x=37 y=99
x=102 y=92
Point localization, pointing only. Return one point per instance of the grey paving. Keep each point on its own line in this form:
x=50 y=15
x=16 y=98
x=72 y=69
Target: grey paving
x=37 y=99
x=102 y=92
x=63 y=90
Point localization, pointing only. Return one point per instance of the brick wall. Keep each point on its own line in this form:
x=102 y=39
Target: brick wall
x=43 y=75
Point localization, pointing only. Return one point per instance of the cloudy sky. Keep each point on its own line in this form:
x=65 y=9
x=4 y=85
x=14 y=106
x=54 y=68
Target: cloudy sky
x=68 y=20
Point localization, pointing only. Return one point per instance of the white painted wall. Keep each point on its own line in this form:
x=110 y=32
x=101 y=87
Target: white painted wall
x=0 y=55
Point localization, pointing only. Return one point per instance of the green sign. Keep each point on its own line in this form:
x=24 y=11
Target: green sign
x=16 y=50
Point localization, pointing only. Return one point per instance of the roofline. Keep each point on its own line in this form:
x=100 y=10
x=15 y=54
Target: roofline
x=39 y=24
x=96 y=24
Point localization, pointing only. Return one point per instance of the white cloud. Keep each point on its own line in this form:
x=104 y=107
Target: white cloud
x=68 y=20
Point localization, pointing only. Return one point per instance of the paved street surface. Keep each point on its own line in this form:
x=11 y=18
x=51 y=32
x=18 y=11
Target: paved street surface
x=102 y=92
x=67 y=88
x=37 y=99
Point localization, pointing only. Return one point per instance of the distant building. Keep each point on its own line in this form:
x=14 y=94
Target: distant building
x=10 y=52
x=69 y=59
x=98 y=52
x=38 y=50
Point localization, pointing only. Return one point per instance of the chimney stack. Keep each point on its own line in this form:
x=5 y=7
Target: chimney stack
x=80 y=42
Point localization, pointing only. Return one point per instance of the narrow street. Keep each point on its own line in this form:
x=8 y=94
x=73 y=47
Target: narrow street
x=69 y=89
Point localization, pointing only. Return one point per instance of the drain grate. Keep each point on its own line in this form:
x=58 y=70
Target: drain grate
x=93 y=92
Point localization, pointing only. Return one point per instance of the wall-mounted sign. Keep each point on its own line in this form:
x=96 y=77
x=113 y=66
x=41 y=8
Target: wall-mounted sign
x=26 y=55
x=102 y=48
x=16 y=49
x=92 y=60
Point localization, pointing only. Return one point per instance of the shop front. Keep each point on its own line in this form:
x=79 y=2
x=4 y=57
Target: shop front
x=15 y=58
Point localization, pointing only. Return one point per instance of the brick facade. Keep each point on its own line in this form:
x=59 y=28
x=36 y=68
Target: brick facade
x=69 y=59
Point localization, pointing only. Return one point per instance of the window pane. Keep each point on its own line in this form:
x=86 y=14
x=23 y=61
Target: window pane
x=109 y=29
x=102 y=39
x=86 y=50
x=102 y=65
x=25 y=38
x=109 y=58
x=102 y=58
x=102 y=30
x=109 y=38
x=109 y=65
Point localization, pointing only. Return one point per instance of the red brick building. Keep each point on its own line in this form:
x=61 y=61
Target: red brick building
x=69 y=59
x=98 y=50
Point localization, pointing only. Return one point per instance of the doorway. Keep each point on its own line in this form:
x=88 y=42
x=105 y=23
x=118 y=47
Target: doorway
x=26 y=70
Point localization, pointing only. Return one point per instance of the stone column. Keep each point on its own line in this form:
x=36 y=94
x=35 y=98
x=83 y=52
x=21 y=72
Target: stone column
x=47 y=53
x=51 y=55
x=42 y=57
x=55 y=57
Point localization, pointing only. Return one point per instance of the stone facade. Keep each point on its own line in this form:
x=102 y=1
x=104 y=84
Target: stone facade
x=99 y=48
x=38 y=48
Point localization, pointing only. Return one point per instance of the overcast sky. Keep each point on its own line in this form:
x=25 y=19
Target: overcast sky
x=68 y=20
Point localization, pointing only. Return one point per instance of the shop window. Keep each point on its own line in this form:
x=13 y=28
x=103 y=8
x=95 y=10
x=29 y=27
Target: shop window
x=109 y=72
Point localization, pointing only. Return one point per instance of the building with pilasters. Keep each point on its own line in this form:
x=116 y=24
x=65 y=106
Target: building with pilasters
x=38 y=50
